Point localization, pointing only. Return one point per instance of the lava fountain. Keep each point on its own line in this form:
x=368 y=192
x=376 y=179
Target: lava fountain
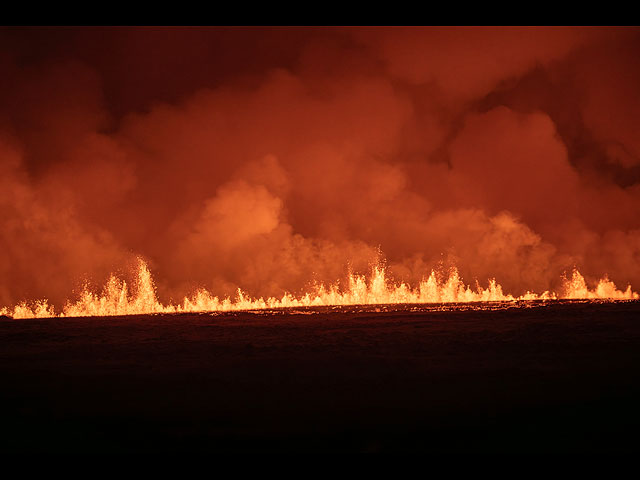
x=117 y=299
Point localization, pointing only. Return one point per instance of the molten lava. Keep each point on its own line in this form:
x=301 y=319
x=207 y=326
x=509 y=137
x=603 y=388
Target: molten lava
x=116 y=299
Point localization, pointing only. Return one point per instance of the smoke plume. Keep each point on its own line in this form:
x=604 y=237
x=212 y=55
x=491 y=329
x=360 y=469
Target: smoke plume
x=272 y=158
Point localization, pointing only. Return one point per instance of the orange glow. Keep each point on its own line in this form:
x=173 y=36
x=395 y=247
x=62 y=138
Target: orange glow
x=267 y=158
x=116 y=298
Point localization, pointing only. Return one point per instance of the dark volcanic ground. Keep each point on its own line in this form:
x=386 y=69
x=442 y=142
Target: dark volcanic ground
x=557 y=377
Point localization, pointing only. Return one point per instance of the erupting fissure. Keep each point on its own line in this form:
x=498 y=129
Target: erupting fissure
x=116 y=299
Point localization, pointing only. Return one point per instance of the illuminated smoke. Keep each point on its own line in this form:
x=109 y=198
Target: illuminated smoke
x=269 y=159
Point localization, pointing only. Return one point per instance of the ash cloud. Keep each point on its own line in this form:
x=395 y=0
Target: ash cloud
x=270 y=158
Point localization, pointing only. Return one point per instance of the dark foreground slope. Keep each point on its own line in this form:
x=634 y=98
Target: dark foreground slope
x=562 y=377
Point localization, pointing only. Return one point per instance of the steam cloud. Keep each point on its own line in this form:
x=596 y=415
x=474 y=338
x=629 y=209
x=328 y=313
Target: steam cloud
x=268 y=158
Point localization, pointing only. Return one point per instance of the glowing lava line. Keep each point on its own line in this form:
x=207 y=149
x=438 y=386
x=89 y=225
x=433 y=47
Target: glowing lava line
x=117 y=300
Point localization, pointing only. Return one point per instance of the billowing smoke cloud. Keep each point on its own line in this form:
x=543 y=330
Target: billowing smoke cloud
x=271 y=158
